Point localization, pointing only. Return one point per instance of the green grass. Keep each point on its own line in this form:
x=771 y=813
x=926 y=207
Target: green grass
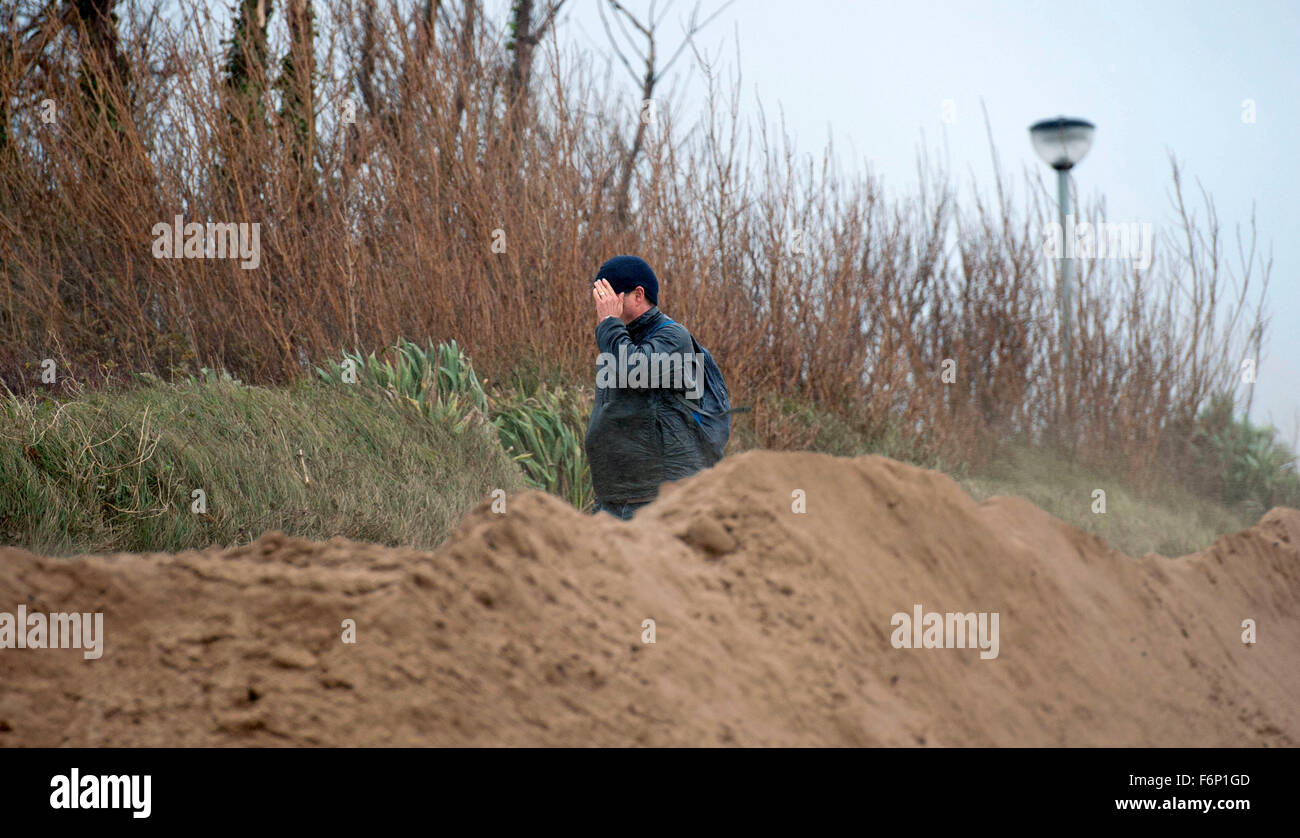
x=805 y=426
x=1171 y=521
x=115 y=469
x=399 y=456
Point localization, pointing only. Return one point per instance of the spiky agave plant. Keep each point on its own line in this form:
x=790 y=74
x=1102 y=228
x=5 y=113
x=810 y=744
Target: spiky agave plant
x=439 y=382
x=542 y=432
x=546 y=427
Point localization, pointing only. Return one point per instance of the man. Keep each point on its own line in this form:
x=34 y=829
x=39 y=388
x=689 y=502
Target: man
x=641 y=432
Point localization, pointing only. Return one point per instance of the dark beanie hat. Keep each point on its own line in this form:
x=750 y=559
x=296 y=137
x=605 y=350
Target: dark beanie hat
x=625 y=273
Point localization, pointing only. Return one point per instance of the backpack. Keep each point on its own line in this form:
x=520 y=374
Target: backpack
x=713 y=415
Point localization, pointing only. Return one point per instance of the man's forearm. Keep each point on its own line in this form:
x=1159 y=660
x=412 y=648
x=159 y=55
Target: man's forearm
x=667 y=359
x=607 y=333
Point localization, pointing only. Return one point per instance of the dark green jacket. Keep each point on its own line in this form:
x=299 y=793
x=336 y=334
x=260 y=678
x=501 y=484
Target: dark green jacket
x=640 y=437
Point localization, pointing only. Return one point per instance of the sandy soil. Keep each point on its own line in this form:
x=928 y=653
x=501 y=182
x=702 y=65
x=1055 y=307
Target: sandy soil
x=771 y=628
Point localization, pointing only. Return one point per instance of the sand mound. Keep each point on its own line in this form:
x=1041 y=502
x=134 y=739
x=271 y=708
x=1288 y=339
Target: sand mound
x=771 y=627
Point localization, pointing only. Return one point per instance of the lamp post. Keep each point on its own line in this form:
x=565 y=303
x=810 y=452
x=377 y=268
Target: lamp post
x=1062 y=142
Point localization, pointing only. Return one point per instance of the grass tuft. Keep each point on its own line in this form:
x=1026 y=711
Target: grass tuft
x=118 y=469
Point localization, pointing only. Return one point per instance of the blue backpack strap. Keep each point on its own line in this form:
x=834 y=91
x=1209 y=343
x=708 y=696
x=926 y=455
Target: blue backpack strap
x=696 y=413
x=667 y=320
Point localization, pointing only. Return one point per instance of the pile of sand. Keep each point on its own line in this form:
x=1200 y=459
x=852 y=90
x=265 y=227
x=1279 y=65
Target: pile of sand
x=771 y=627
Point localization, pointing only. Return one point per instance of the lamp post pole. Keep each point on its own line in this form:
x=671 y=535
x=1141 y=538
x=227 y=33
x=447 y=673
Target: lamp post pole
x=1062 y=142
x=1065 y=268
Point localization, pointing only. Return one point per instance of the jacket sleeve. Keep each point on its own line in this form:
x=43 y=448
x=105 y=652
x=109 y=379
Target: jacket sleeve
x=612 y=336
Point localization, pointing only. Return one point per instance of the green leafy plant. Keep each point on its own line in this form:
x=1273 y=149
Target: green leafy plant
x=547 y=429
x=439 y=381
x=1245 y=463
x=541 y=431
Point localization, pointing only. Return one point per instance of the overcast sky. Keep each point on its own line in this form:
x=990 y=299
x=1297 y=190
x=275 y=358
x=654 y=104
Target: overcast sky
x=1154 y=77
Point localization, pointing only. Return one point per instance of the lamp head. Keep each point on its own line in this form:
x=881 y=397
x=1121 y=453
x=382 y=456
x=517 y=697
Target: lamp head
x=1062 y=141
